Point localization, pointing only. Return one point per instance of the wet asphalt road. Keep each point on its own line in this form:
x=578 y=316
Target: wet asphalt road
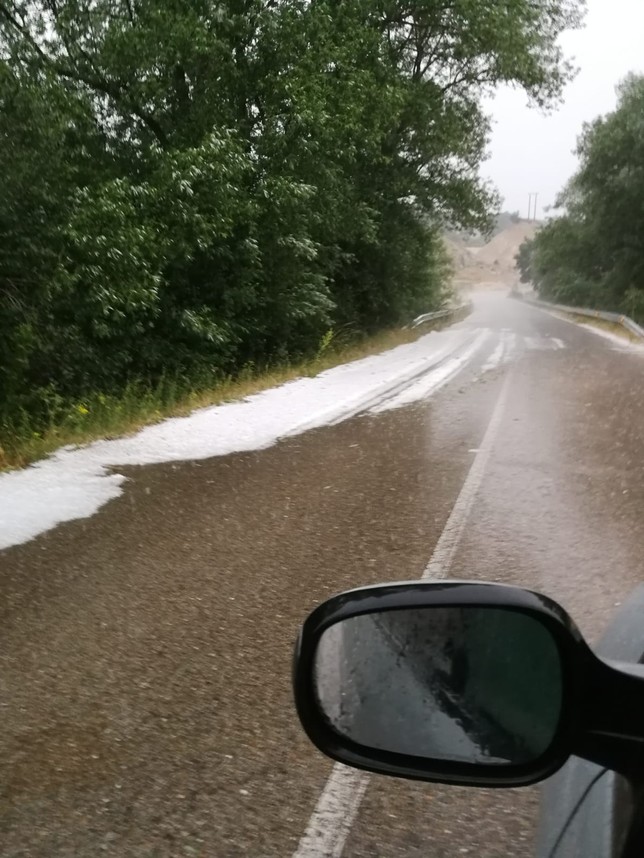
x=145 y=652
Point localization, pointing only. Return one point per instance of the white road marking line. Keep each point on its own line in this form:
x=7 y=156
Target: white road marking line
x=495 y=358
x=626 y=345
x=502 y=354
x=510 y=343
x=443 y=554
x=535 y=344
x=334 y=814
x=543 y=344
x=338 y=805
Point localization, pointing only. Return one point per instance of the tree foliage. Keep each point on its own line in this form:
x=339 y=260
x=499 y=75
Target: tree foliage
x=593 y=254
x=194 y=185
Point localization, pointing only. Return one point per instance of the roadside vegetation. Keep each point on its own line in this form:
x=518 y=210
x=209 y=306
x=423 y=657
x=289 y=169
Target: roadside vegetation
x=592 y=254
x=194 y=191
x=102 y=415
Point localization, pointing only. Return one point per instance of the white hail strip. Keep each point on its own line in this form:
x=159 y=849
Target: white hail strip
x=433 y=381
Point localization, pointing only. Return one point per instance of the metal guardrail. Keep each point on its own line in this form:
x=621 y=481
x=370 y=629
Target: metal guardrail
x=439 y=314
x=616 y=318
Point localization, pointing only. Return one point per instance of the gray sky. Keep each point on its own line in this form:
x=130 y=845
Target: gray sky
x=532 y=152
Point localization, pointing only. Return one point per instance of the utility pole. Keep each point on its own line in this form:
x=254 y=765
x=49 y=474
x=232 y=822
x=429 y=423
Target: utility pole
x=532 y=217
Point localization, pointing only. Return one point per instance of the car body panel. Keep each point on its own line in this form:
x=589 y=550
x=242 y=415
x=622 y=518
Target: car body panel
x=597 y=828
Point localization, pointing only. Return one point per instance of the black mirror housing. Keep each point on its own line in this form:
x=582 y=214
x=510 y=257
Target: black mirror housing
x=573 y=663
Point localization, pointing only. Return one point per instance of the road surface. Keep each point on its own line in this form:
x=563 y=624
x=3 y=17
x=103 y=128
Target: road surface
x=145 y=651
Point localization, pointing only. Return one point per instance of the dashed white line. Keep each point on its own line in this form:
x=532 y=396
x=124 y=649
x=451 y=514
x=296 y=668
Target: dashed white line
x=495 y=358
x=502 y=353
x=510 y=342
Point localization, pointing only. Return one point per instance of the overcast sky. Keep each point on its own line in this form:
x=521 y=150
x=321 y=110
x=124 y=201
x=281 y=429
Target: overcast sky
x=531 y=152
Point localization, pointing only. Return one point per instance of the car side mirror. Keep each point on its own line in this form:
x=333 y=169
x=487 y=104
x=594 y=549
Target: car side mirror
x=456 y=682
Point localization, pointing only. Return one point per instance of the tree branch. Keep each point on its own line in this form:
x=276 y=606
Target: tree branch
x=23 y=31
x=181 y=88
x=114 y=90
x=130 y=10
x=118 y=93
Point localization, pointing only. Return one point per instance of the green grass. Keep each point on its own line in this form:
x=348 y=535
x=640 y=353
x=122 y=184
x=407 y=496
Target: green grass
x=102 y=416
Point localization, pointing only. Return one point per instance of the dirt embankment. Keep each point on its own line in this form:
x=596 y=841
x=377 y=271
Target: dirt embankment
x=491 y=265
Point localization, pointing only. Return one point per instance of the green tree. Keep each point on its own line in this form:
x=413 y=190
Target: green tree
x=593 y=254
x=193 y=185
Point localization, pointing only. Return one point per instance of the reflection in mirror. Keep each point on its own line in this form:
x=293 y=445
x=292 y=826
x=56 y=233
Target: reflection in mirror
x=471 y=684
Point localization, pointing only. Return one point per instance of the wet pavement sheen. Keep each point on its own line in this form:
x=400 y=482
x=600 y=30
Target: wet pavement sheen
x=145 y=652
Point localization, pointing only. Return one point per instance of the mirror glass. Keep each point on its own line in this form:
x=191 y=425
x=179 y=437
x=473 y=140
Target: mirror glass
x=471 y=684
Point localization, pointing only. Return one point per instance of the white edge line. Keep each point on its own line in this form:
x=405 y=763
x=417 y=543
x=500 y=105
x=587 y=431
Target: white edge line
x=334 y=814
x=624 y=342
x=337 y=807
x=443 y=553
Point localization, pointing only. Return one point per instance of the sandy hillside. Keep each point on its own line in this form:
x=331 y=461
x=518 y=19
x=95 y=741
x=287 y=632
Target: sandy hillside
x=490 y=265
